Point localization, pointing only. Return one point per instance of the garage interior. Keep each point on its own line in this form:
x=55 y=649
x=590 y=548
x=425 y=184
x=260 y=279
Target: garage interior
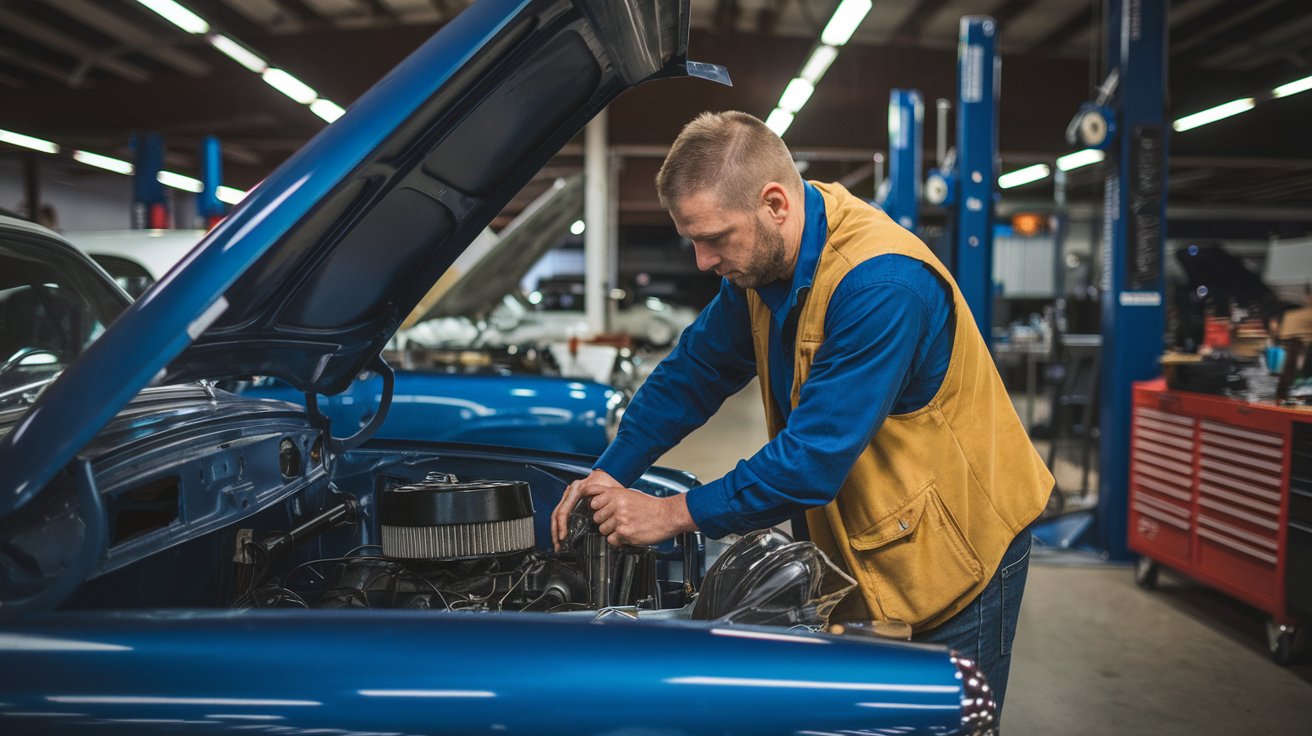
x=1114 y=635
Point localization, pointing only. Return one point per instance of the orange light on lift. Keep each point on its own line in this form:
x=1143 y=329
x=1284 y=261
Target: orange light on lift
x=1028 y=224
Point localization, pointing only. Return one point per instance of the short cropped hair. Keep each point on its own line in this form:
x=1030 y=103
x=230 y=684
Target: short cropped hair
x=731 y=153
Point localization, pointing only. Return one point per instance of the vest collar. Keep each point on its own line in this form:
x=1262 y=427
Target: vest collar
x=780 y=296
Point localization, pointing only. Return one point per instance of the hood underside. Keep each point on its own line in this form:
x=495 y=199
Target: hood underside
x=312 y=273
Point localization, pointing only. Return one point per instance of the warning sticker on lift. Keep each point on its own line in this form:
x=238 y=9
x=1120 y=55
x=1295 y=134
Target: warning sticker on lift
x=1141 y=299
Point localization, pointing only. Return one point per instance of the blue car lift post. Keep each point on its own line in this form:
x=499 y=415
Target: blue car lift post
x=208 y=206
x=967 y=183
x=150 y=206
x=1129 y=122
x=906 y=114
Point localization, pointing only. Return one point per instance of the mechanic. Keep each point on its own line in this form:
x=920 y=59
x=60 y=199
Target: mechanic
x=890 y=426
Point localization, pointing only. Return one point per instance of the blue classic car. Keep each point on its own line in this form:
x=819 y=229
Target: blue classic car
x=178 y=559
x=479 y=406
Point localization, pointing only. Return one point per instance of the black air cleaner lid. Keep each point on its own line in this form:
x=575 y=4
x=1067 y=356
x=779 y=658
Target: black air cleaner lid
x=442 y=504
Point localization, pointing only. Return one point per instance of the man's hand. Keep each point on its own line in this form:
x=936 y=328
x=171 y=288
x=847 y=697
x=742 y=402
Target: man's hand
x=573 y=492
x=625 y=516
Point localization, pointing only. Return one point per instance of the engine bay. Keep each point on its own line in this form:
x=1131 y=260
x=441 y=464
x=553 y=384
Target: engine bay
x=450 y=545
x=459 y=546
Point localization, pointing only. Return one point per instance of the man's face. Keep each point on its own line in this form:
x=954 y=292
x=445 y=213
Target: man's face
x=745 y=247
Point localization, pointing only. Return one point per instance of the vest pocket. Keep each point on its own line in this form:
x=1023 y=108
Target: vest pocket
x=916 y=559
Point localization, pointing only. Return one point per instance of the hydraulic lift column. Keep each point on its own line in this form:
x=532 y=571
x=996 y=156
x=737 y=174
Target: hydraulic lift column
x=906 y=113
x=978 y=79
x=150 y=206
x=1134 y=221
x=208 y=206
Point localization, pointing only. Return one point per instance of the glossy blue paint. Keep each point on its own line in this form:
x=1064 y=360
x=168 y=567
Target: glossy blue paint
x=978 y=80
x=1134 y=237
x=439 y=673
x=537 y=412
x=156 y=329
x=906 y=117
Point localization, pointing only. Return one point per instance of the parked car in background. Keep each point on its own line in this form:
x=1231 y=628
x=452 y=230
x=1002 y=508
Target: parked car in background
x=484 y=303
x=514 y=396
x=176 y=558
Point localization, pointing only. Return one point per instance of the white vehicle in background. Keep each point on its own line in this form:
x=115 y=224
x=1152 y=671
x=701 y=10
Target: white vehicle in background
x=135 y=258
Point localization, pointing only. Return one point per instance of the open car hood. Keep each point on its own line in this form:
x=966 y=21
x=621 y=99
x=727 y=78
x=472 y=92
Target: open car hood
x=312 y=273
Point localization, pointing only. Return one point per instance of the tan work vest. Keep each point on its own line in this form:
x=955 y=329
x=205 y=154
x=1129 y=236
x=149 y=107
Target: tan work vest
x=929 y=508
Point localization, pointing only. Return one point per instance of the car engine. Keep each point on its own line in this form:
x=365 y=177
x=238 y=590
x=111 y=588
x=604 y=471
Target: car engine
x=454 y=545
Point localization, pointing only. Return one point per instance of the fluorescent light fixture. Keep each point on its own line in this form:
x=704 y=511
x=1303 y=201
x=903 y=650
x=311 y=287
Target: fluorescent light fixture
x=795 y=95
x=1024 y=176
x=1080 y=158
x=818 y=64
x=289 y=85
x=179 y=16
x=238 y=53
x=230 y=195
x=115 y=165
x=1293 y=88
x=27 y=141
x=329 y=111
x=779 y=121
x=178 y=181
x=578 y=227
x=846 y=18
x=1211 y=115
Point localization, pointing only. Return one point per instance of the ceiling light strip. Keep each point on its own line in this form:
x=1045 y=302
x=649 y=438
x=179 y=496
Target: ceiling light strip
x=847 y=16
x=1027 y=175
x=27 y=141
x=1292 y=88
x=175 y=13
x=1080 y=158
x=838 y=31
x=118 y=166
x=1213 y=114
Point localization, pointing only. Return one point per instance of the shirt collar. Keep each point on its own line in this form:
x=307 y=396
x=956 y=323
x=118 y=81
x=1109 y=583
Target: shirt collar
x=781 y=296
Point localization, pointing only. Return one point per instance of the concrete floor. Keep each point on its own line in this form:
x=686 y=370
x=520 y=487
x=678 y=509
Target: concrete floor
x=1094 y=653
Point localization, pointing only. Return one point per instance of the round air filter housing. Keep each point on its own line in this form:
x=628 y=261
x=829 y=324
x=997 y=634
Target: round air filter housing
x=441 y=518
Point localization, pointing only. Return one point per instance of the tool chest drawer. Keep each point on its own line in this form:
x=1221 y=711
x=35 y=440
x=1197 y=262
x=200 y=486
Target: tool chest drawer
x=1222 y=490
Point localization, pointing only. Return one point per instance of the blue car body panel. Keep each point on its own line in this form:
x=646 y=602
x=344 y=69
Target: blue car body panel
x=413 y=673
x=524 y=411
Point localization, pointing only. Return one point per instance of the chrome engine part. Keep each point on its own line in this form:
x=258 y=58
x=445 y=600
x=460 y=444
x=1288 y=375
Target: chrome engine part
x=441 y=518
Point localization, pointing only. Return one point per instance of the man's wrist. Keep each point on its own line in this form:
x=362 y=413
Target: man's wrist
x=678 y=519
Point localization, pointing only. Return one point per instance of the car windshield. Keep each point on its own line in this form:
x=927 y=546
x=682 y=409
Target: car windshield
x=52 y=306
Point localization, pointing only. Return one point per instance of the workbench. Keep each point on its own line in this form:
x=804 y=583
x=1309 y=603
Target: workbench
x=1221 y=490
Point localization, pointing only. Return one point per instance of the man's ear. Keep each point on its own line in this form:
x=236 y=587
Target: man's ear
x=774 y=197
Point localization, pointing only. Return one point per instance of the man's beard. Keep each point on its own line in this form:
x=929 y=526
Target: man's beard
x=768 y=263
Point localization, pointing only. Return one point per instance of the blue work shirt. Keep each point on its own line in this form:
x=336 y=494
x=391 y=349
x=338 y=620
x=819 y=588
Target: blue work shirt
x=888 y=340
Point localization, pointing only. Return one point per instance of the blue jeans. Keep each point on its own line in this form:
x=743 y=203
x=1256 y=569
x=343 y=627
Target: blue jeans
x=984 y=630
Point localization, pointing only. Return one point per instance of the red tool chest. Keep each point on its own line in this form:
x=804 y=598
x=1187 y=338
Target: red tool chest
x=1221 y=490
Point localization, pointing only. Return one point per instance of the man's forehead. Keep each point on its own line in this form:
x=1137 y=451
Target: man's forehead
x=702 y=213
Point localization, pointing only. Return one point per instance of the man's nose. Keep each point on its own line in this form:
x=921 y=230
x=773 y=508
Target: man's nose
x=705 y=261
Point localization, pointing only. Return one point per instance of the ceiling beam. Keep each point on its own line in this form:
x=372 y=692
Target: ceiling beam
x=1059 y=37
x=134 y=36
x=44 y=34
x=1204 y=36
x=912 y=26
